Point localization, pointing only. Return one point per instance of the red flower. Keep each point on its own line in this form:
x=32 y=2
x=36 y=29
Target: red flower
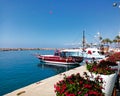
x=93 y=93
x=63 y=88
x=103 y=67
x=81 y=82
x=81 y=86
x=86 y=94
x=57 y=88
x=114 y=57
x=79 y=92
x=87 y=86
x=94 y=68
x=70 y=95
x=71 y=82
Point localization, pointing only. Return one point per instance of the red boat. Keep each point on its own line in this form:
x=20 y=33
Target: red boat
x=60 y=58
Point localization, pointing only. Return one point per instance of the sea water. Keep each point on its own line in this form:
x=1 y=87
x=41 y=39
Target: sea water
x=21 y=68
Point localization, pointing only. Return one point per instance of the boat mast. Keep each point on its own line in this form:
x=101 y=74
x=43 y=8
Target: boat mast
x=83 y=40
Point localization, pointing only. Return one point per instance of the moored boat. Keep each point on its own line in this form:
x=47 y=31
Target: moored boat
x=93 y=53
x=87 y=53
x=60 y=57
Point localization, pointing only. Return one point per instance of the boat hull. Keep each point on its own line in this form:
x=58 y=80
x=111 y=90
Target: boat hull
x=59 y=60
x=55 y=62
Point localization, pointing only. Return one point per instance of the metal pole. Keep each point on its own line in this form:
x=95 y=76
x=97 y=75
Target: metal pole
x=83 y=40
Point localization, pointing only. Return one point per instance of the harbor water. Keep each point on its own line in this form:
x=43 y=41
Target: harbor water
x=21 y=68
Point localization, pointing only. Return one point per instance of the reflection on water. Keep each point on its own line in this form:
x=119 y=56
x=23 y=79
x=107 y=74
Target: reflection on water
x=58 y=68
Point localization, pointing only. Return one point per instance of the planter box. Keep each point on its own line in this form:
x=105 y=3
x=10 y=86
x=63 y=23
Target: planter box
x=118 y=62
x=108 y=82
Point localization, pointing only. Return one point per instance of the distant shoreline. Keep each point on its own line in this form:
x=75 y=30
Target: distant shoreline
x=21 y=49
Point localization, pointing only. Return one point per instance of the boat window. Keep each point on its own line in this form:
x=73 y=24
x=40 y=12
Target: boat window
x=63 y=54
x=69 y=54
x=73 y=53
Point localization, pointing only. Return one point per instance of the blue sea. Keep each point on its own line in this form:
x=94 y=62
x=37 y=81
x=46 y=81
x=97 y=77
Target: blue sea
x=21 y=68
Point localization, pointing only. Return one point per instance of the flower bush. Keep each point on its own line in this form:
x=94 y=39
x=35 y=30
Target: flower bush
x=102 y=67
x=114 y=57
x=75 y=85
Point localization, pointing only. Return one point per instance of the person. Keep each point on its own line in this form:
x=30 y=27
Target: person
x=57 y=52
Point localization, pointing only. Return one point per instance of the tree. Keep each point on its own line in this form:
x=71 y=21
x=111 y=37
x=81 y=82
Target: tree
x=117 y=40
x=106 y=41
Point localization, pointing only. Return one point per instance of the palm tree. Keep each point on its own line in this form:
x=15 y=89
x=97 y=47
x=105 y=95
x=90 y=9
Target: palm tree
x=106 y=41
x=117 y=40
x=103 y=41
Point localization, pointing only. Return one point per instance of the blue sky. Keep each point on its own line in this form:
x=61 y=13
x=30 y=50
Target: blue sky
x=56 y=23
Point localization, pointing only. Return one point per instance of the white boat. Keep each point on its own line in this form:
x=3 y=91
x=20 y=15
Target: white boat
x=88 y=53
x=93 y=53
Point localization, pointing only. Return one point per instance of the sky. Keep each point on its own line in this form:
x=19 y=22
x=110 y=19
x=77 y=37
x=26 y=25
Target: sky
x=56 y=23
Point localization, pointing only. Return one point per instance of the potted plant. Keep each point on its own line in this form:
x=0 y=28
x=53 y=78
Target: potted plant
x=114 y=57
x=102 y=67
x=103 y=70
x=76 y=85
